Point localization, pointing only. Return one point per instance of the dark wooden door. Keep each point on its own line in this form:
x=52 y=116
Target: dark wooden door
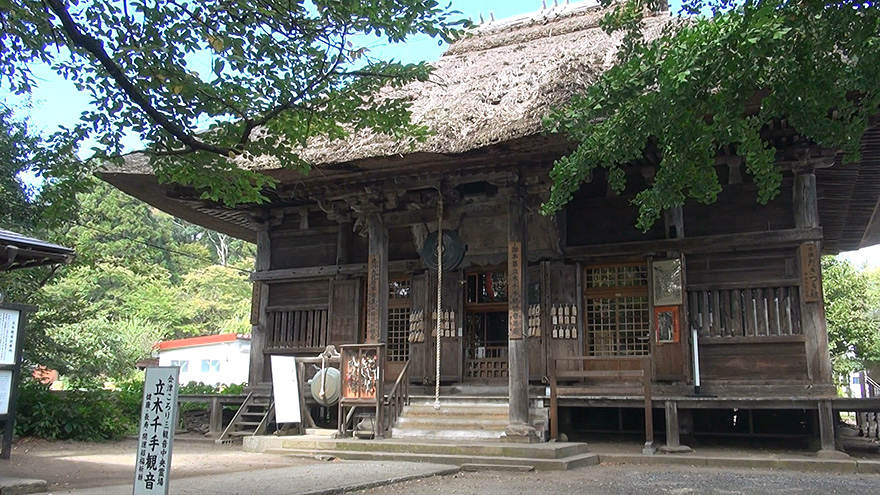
x=451 y=347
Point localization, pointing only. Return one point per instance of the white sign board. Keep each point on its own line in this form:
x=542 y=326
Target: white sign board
x=285 y=387
x=8 y=334
x=5 y=390
x=158 y=422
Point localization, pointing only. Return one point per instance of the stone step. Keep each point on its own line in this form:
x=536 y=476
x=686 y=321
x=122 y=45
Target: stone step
x=458 y=399
x=570 y=462
x=511 y=468
x=469 y=422
x=551 y=450
x=323 y=432
x=484 y=410
x=476 y=422
x=446 y=433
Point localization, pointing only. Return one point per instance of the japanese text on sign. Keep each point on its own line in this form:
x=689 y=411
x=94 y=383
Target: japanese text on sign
x=811 y=273
x=515 y=290
x=8 y=334
x=158 y=418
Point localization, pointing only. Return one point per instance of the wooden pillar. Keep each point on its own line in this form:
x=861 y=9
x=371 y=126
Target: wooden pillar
x=806 y=215
x=519 y=428
x=806 y=205
x=259 y=331
x=673 y=219
x=215 y=427
x=826 y=429
x=673 y=430
x=377 y=280
x=343 y=244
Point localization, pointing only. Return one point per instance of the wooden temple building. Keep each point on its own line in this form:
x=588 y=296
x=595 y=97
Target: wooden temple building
x=715 y=312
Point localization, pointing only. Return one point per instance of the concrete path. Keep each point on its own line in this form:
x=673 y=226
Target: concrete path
x=317 y=479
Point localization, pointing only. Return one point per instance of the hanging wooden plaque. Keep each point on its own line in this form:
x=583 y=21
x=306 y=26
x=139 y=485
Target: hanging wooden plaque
x=811 y=270
x=515 y=290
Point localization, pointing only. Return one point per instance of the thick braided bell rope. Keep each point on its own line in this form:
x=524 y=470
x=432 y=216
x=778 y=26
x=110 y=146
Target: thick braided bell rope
x=439 y=292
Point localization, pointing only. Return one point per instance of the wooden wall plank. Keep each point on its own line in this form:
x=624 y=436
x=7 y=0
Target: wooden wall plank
x=736 y=309
x=759 y=361
x=345 y=310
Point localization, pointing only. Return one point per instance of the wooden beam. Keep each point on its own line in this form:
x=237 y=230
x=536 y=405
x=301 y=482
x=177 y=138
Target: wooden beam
x=319 y=272
x=259 y=331
x=673 y=218
x=377 y=280
x=806 y=205
x=806 y=215
x=826 y=426
x=517 y=296
x=343 y=244
x=429 y=215
x=706 y=244
x=673 y=435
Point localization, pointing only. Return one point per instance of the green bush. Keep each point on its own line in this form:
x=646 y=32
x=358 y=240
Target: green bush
x=86 y=412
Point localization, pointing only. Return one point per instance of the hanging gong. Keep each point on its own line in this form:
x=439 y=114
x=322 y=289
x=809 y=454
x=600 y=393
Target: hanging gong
x=332 y=386
x=453 y=250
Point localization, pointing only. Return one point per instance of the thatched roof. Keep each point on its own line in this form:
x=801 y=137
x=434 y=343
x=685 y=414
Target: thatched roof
x=491 y=86
x=496 y=84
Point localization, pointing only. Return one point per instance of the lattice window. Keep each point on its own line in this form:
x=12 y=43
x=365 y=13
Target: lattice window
x=398 y=319
x=399 y=290
x=616 y=276
x=617 y=315
x=487 y=288
x=398 y=334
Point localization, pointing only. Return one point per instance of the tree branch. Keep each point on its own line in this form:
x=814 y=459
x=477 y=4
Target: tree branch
x=96 y=48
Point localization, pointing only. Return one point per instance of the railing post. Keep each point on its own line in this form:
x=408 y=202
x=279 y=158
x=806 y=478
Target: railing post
x=649 y=448
x=554 y=412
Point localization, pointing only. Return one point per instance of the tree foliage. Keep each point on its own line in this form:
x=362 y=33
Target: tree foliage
x=852 y=312
x=211 y=83
x=19 y=149
x=718 y=80
x=140 y=276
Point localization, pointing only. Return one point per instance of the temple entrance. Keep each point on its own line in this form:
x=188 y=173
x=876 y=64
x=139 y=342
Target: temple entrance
x=486 y=327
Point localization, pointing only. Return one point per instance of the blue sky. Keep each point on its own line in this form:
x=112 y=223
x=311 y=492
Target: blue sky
x=56 y=102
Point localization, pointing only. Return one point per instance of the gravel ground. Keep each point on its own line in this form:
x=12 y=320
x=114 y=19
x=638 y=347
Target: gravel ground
x=640 y=480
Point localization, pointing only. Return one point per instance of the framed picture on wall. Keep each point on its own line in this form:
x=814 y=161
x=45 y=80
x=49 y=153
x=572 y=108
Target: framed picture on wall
x=667 y=282
x=666 y=324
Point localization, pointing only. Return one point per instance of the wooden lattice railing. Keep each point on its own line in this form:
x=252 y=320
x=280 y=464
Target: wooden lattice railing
x=492 y=362
x=750 y=312
x=292 y=327
x=602 y=377
x=399 y=396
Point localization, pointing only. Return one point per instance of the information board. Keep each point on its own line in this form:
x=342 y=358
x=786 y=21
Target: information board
x=285 y=387
x=5 y=390
x=157 y=424
x=8 y=335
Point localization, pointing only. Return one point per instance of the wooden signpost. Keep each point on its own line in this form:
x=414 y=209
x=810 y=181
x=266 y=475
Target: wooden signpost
x=13 y=319
x=157 y=425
